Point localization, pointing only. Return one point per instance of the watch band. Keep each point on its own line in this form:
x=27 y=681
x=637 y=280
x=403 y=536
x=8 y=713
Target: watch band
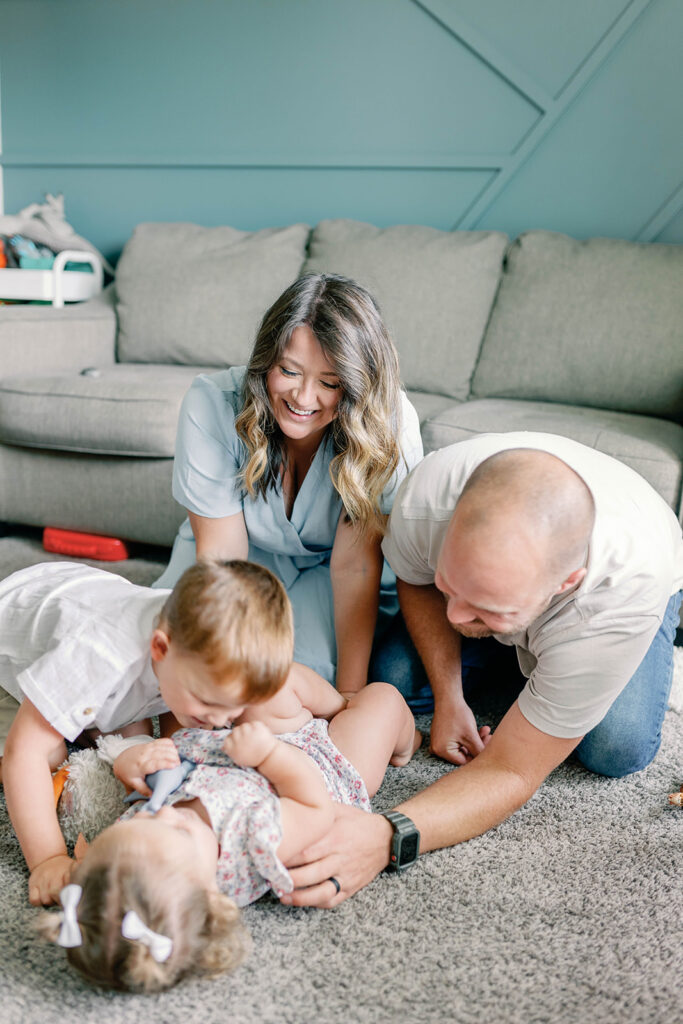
x=405 y=843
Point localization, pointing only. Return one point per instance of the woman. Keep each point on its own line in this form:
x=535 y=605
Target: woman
x=294 y=462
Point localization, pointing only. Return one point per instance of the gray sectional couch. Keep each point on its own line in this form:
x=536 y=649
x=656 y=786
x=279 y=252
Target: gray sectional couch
x=542 y=333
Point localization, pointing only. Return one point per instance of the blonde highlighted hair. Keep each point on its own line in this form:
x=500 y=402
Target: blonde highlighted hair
x=237 y=618
x=205 y=927
x=347 y=324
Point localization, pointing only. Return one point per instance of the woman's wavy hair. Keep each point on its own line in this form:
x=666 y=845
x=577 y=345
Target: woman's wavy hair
x=347 y=323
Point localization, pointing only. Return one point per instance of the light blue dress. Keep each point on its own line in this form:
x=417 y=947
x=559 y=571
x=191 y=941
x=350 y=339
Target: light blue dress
x=208 y=458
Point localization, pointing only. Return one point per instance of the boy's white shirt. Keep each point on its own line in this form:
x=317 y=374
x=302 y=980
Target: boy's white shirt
x=75 y=641
x=110 y=746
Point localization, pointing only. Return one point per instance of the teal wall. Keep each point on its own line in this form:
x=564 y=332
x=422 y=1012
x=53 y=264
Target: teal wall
x=509 y=114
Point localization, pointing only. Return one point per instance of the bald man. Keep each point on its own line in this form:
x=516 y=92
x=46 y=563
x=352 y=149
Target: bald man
x=571 y=561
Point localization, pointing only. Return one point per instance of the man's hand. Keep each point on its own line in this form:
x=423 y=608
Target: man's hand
x=249 y=744
x=454 y=735
x=133 y=764
x=354 y=851
x=48 y=879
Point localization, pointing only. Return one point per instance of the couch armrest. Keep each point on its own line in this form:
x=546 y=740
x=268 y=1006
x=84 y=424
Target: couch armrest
x=42 y=339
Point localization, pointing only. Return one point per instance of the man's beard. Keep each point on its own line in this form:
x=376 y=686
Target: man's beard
x=478 y=631
x=473 y=631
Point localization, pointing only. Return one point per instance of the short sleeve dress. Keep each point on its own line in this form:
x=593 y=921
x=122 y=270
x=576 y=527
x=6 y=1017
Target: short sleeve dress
x=208 y=458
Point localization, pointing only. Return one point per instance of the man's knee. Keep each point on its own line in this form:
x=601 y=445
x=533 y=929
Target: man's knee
x=616 y=754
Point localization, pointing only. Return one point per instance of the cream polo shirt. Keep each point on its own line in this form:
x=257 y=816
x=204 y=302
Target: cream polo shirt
x=581 y=652
x=75 y=641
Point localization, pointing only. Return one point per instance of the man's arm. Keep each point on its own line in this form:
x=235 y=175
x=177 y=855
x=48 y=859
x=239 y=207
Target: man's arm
x=437 y=643
x=488 y=789
x=463 y=804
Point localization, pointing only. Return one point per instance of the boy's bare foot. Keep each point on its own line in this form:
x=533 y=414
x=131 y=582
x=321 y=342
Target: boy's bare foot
x=402 y=757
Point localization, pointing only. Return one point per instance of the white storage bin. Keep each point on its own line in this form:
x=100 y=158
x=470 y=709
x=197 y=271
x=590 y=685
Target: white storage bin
x=56 y=285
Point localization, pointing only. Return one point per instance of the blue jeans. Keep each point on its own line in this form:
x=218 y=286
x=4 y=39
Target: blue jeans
x=625 y=741
x=630 y=734
x=484 y=662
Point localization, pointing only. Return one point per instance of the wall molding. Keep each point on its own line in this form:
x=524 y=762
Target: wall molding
x=433 y=162
x=443 y=14
x=551 y=109
x=472 y=183
x=662 y=217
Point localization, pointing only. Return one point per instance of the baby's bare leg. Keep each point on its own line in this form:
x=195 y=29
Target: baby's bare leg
x=376 y=729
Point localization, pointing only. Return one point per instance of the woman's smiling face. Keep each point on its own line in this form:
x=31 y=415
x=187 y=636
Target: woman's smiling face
x=304 y=388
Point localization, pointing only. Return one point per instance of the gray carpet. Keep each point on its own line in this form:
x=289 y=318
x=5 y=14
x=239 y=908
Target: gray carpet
x=570 y=912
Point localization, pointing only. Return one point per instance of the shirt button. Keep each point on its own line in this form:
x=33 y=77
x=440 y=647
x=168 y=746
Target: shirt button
x=88 y=711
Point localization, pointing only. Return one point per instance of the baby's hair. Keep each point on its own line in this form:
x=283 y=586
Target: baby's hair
x=237 y=618
x=205 y=927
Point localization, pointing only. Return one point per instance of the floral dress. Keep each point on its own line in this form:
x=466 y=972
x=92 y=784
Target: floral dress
x=244 y=808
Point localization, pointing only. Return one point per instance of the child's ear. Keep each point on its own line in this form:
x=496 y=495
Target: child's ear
x=81 y=848
x=159 y=645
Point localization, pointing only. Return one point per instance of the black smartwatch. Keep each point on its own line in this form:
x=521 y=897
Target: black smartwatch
x=405 y=844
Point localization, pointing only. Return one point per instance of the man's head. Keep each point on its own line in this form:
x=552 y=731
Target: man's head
x=518 y=537
x=225 y=639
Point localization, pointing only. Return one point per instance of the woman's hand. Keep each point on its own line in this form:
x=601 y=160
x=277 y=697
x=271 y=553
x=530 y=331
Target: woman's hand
x=133 y=764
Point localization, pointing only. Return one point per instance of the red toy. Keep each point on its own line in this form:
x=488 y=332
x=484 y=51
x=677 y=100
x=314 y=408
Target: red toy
x=84 y=545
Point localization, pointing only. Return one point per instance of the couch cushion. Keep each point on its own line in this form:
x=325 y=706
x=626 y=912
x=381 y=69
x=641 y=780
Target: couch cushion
x=654 y=448
x=596 y=323
x=188 y=294
x=428 y=405
x=435 y=289
x=115 y=410
x=121 y=497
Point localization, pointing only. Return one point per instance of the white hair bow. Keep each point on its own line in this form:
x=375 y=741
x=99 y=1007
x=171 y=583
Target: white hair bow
x=160 y=946
x=70 y=933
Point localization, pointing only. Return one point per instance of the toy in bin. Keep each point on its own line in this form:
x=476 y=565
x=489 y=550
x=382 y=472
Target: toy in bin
x=84 y=545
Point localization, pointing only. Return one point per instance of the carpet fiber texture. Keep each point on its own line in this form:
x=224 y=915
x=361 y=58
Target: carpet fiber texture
x=569 y=912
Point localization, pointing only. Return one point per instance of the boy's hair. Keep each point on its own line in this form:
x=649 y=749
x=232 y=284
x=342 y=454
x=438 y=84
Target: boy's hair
x=204 y=927
x=237 y=618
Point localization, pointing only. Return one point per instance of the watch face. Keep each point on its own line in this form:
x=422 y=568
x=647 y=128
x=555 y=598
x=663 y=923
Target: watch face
x=409 y=849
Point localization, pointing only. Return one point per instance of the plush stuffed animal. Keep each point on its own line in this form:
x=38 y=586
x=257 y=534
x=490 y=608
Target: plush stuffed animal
x=89 y=797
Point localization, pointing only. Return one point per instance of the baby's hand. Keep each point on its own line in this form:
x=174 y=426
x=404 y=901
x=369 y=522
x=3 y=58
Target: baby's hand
x=133 y=764
x=249 y=744
x=49 y=878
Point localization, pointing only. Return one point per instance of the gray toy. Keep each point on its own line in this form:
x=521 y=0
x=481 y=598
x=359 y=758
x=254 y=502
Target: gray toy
x=162 y=783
